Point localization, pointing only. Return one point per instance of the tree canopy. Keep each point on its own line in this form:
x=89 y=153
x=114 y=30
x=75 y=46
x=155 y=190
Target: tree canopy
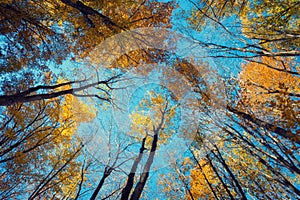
x=149 y=99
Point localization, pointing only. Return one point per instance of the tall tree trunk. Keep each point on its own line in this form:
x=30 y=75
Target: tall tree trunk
x=106 y=173
x=143 y=179
x=130 y=180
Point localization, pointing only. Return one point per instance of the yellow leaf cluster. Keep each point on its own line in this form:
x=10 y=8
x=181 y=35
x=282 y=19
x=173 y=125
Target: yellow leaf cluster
x=199 y=187
x=71 y=113
x=259 y=77
x=269 y=90
x=157 y=100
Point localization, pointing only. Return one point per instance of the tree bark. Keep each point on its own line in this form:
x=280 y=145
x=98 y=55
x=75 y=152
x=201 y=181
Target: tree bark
x=130 y=180
x=270 y=127
x=27 y=96
x=143 y=179
x=86 y=11
x=106 y=173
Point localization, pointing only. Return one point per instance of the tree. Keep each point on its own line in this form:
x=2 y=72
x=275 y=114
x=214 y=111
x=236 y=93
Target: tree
x=238 y=166
x=39 y=28
x=214 y=11
x=41 y=114
x=240 y=163
x=54 y=91
x=262 y=105
x=115 y=161
x=202 y=179
x=274 y=24
x=271 y=95
x=258 y=21
x=39 y=33
x=39 y=147
x=243 y=128
x=29 y=35
x=153 y=127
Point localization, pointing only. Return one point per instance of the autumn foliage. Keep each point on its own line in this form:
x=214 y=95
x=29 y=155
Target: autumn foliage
x=226 y=88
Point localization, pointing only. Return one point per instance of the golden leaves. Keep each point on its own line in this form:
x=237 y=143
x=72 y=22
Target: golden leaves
x=271 y=23
x=199 y=187
x=270 y=73
x=270 y=90
x=60 y=23
x=154 y=113
x=72 y=112
x=213 y=10
x=122 y=16
x=157 y=100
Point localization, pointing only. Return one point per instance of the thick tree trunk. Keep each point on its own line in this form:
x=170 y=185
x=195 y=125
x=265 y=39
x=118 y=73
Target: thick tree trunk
x=143 y=179
x=106 y=173
x=86 y=11
x=130 y=180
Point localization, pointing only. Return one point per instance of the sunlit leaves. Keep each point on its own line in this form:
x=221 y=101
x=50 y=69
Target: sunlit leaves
x=270 y=91
x=154 y=113
x=199 y=177
x=39 y=140
x=39 y=137
x=210 y=12
x=275 y=23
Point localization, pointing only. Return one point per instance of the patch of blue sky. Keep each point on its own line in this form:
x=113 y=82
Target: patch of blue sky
x=213 y=33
